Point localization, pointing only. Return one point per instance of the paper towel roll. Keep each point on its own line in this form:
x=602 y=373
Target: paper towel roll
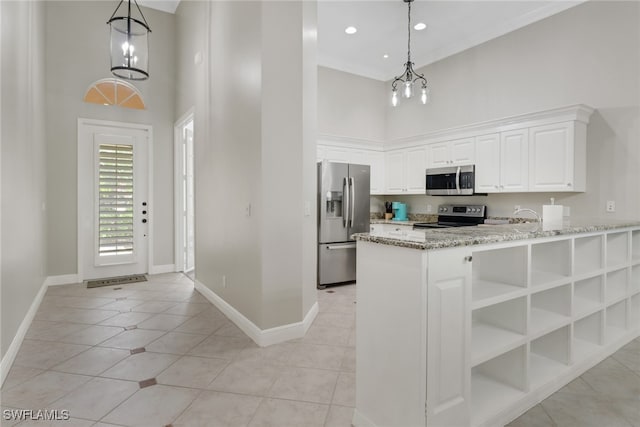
x=552 y=217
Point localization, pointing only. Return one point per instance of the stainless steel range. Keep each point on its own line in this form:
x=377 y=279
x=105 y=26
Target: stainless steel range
x=456 y=216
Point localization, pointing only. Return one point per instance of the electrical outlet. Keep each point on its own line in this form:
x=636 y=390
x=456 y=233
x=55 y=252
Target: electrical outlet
x=247 y=210
x=307 y=208
x=429 y=208
x=224 y=281
x=566 y=211
x=611 y=206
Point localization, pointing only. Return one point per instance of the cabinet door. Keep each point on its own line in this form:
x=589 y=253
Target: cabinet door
x=394 y=172
x=463 y=151
x=448 y=337
x=551 y=157
x=416 y=164
x=438 y=154
x=514 y=165
x=376 y=160
x=488 y=163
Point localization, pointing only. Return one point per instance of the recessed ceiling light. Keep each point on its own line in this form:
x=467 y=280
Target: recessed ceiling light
x=420 y=26
x=350 y=30
x=385 y=56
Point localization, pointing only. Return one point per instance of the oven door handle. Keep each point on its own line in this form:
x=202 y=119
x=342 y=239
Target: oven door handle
x=458 y=179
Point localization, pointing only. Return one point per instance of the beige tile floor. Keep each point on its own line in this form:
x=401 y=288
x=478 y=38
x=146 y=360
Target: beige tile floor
x=84 y=353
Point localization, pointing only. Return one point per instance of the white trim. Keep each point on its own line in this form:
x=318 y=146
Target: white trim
x=178 y=249
x=161 y=269
x=350 y=142
x=83 y=123
x=578 y=112
x=261 y=337
x=12 y=352
x=63 y=279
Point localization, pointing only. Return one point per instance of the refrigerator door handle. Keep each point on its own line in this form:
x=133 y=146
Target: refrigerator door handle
x=345 y=202
x=458 y=179
x=352 y=185
x=341 y=246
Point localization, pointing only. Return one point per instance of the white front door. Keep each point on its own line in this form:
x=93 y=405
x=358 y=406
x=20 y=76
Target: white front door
x=113 y=208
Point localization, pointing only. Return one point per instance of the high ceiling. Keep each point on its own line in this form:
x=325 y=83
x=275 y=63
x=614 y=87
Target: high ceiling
x=452 y=26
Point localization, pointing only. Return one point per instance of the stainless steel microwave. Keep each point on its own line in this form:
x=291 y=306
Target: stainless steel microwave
x=451 y=181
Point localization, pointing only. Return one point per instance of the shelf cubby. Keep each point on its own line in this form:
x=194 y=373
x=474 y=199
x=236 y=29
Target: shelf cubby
x=497 y=329
x=616 y=285
x=635 y=279
x=587 y=295
x=635 y=245
x=549 y=356
x=550 y=262
x=550 y=309
x=498 y=275
x=498 y=382
x=616 y=321
x=617 y=248
x=588 y=254
x=587 y=335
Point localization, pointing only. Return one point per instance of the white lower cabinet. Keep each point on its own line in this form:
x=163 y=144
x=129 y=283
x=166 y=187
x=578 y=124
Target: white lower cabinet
x=497 y=326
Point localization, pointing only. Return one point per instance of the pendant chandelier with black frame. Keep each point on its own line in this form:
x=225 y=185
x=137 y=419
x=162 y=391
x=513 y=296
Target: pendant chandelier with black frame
x=409 y=77
x=129 y=43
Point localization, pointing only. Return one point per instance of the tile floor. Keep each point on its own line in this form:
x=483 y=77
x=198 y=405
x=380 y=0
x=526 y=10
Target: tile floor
x=157 y=353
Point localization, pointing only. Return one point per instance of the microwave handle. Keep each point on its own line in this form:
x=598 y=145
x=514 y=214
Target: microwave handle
x=458 y=179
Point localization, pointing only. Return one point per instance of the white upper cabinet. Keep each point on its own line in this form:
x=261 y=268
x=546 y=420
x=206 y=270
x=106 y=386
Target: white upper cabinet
x=514 y=168
x=557 y=157
x=488 y=163
x=451 y=153
x=376 y=161
x=501 y=162
x=405 y=170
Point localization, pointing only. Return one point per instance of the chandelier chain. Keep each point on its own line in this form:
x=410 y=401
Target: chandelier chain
x=409 y=37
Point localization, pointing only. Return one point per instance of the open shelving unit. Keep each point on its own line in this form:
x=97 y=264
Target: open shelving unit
x=542 y=307
x=617 y=249
x=589 y=255
x=550 y=309
x=498 y=382
x=549 y=356
x=497 y=328
x=587 y=336
x=616 y=321
x=551 y=263
x=587 y=295
x=617 y=284
x=498 y=275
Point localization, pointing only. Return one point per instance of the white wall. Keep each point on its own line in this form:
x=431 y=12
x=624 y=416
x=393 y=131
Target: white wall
x=254 y=143
x=77 y=54
x=23 y=162
x=588 y=54
x=351 y=106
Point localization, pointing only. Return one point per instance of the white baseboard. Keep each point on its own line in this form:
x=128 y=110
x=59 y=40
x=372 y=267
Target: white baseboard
x=12 y=352
x=63 y=279
x=160 y=269
x=261 y=337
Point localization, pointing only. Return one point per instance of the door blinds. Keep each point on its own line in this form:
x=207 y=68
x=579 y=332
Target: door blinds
x=115 y=200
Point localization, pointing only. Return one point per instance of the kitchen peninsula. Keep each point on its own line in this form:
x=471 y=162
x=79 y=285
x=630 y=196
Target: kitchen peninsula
x=472 y=326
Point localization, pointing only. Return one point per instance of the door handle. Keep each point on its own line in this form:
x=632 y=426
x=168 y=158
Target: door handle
x=458 y=179
x=352 y=198
x=144 y=220
x=345 y=202
x=344 y=246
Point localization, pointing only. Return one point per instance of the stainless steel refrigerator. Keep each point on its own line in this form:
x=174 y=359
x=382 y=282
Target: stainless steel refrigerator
x=343 y=205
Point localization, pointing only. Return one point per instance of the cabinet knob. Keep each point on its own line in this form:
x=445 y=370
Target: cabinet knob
x=569 y=185
x=468 y=258
x=497 y=186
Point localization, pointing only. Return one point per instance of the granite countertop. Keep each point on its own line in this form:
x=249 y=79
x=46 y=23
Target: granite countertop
x=390 y=221
x=482 y=234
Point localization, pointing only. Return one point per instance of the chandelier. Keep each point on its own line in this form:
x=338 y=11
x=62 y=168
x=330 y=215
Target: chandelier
x=409 y=77
x=129 y=44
